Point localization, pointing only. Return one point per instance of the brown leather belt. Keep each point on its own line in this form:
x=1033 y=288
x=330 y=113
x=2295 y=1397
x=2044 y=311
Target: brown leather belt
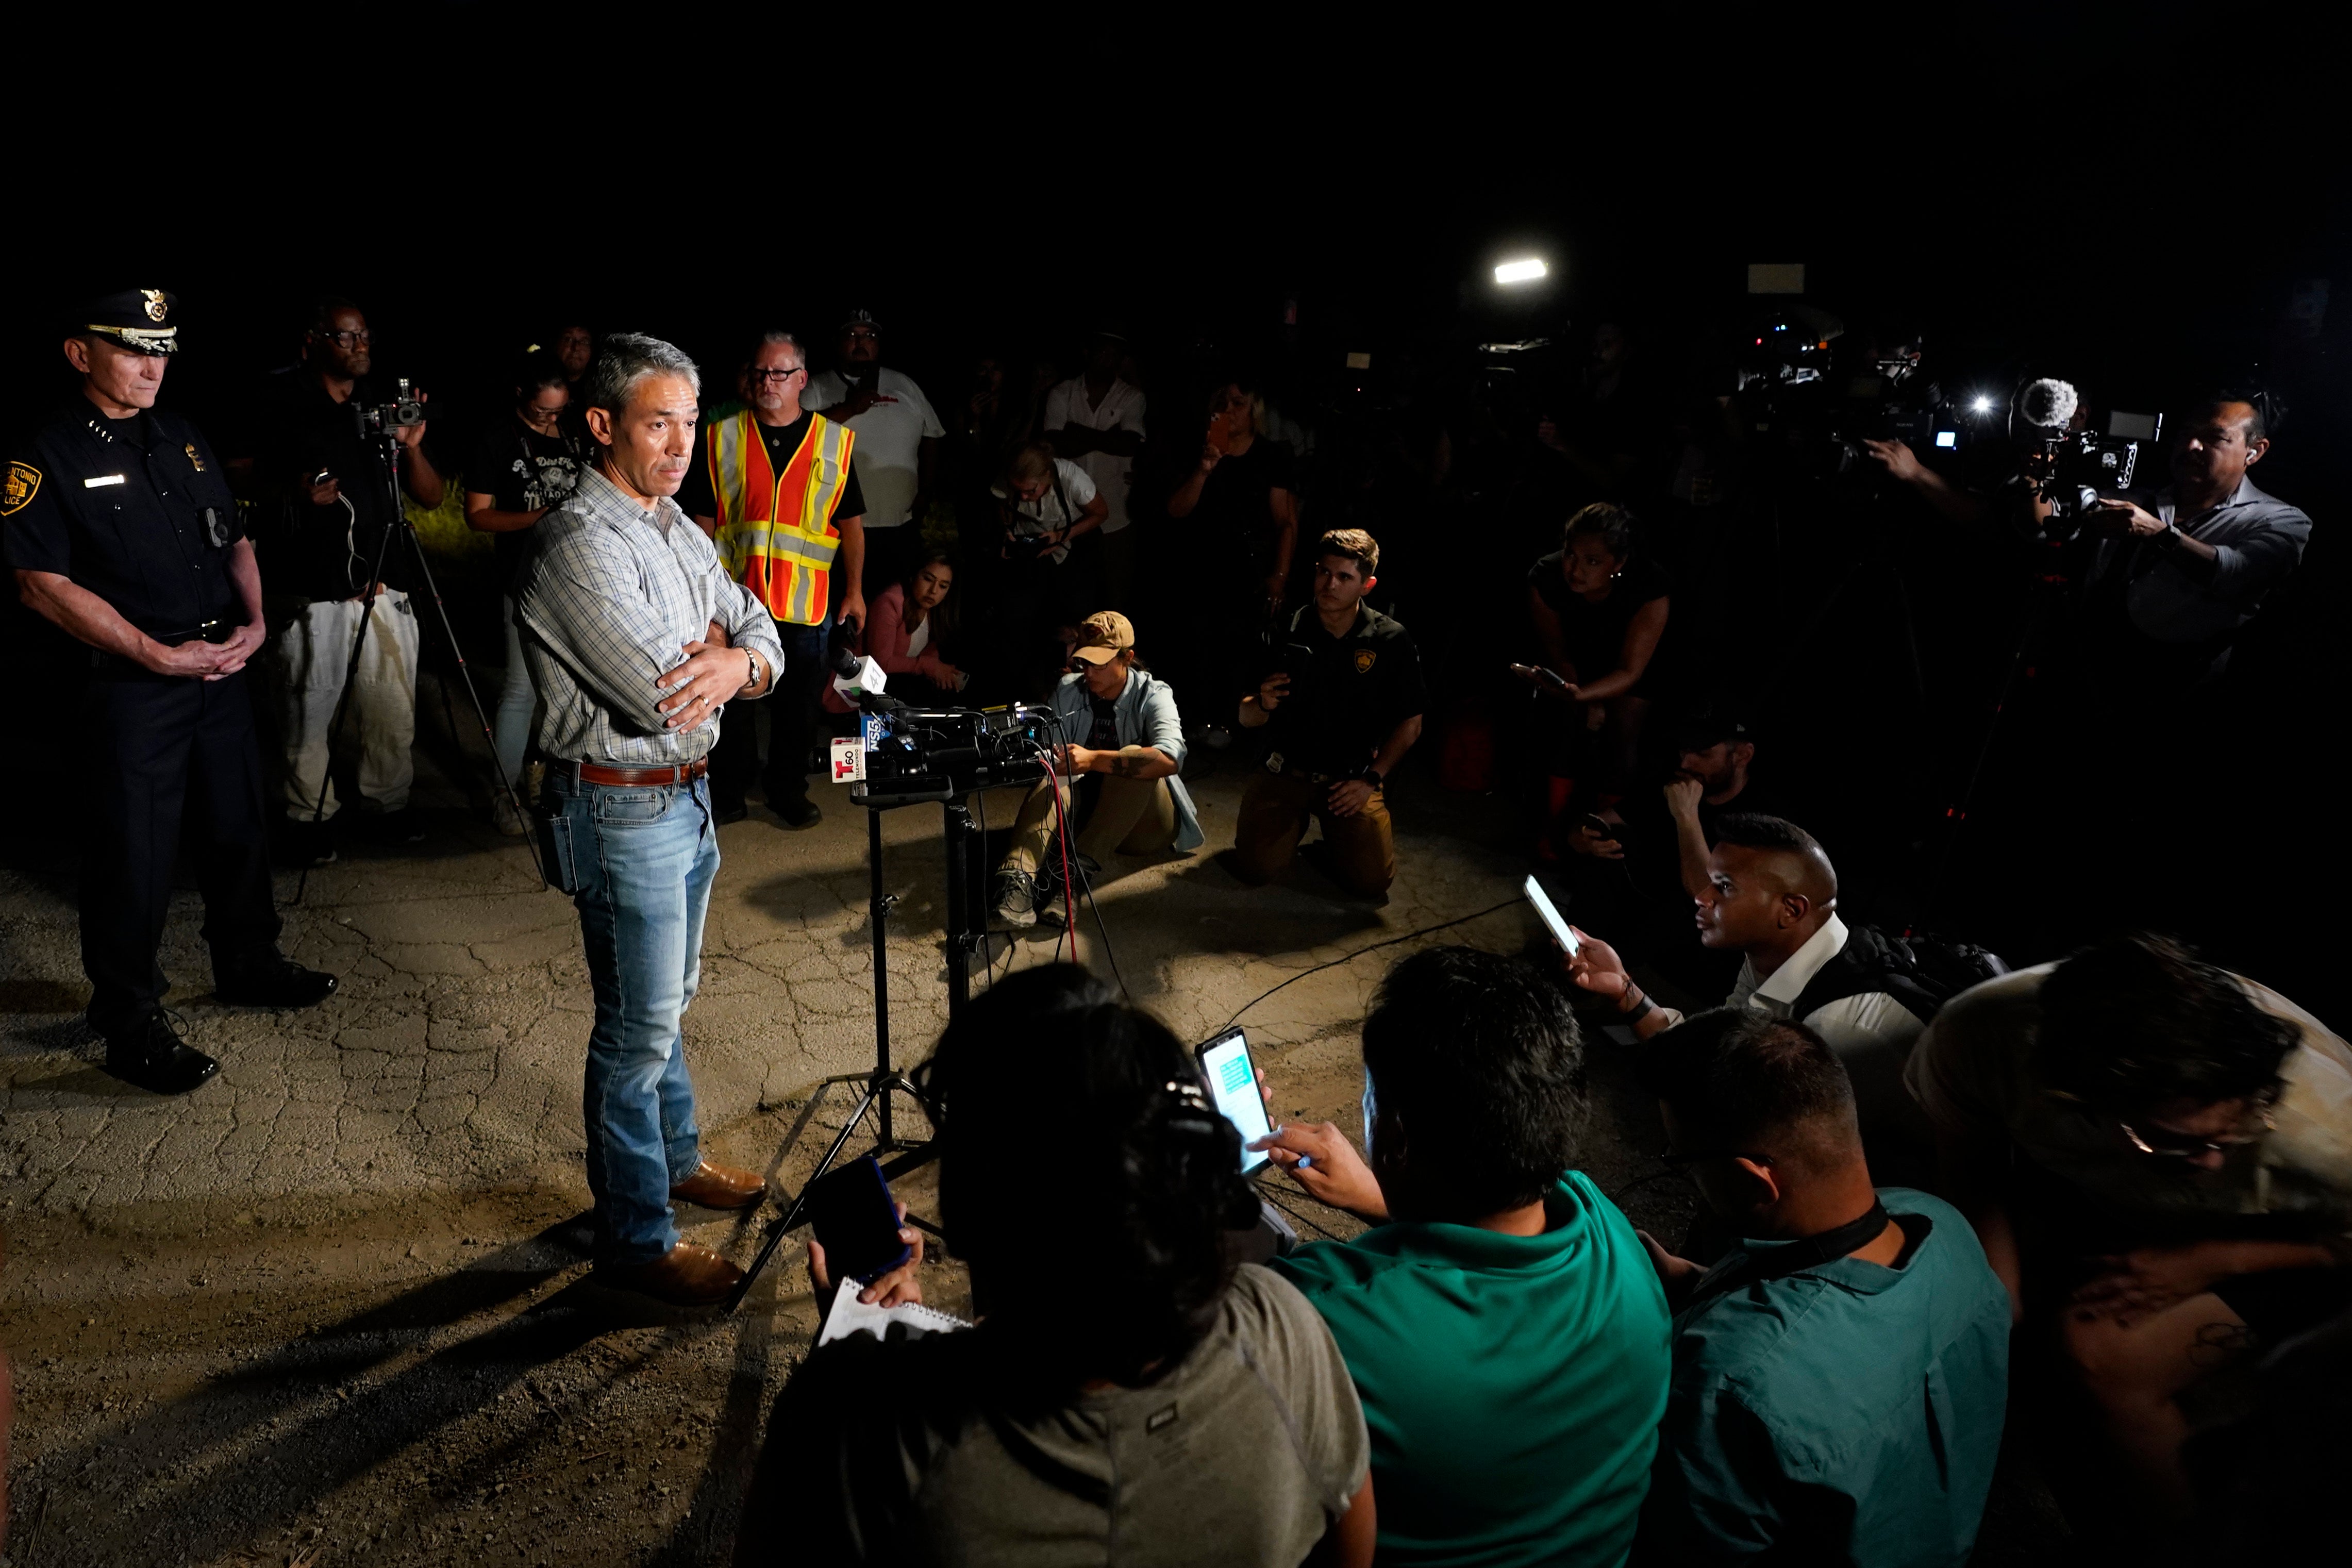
x=676 y=773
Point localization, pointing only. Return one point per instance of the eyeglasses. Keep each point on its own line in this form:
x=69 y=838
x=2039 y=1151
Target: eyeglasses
x=2166 y=1145
x=756 y=376
x=1676 y=1159
x=348 y=340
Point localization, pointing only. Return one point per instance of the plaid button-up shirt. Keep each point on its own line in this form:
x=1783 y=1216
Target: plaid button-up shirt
x=613 y=596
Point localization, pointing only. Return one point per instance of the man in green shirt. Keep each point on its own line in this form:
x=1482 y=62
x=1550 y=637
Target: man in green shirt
x=1506 y=1335
x=1841 y=1374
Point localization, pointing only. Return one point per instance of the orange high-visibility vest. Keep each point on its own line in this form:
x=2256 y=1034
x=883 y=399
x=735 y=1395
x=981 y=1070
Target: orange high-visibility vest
x=776 y=533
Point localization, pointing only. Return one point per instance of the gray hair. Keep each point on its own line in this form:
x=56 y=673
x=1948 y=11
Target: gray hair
x=627 y=359
x=765 y=339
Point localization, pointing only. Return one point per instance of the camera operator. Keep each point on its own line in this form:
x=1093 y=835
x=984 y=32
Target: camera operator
x=778 y=488
x=2153 y=1152
x=1049 y=511
x=637 y=638
x=1127 y=797
x=121 y=532
x=1354 y=713
x=328 y=477
x=2168 y=587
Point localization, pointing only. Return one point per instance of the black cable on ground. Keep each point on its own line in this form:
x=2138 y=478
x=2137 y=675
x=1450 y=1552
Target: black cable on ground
x=1374 y=947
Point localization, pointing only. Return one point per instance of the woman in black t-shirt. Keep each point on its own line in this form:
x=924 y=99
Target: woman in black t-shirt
x=525 y=467
x=1239 y=517
x=1598 y=610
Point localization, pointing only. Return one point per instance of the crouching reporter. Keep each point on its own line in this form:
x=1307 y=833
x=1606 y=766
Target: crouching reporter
x=1125 y=1379
x=1114 y=778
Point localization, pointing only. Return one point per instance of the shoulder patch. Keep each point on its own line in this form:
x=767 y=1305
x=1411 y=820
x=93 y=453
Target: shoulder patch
x=1365 y=658
x=24 y=484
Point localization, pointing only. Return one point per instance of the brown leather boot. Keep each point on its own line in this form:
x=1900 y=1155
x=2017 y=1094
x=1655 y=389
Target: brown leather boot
x=686 y=1275
x=720 y=1187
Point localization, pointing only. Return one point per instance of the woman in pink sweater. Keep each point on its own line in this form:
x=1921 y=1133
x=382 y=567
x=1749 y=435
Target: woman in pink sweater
x=906 y=627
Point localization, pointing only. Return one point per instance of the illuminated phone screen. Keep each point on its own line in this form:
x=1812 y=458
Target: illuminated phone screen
x=1233 y=1086
x=1551 y=916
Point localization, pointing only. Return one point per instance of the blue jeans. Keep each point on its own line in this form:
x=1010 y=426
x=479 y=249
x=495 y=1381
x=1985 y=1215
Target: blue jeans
x=643 y=861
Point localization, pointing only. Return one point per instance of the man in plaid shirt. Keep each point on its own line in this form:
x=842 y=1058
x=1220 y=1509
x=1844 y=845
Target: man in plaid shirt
x=636 y=639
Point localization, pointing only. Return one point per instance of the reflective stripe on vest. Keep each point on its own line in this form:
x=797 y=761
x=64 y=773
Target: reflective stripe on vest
x=776 y=532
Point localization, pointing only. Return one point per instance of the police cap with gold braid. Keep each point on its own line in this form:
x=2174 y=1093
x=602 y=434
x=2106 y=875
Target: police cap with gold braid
x=136 y=319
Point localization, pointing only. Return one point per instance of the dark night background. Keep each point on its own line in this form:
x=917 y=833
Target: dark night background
x=2129 y=197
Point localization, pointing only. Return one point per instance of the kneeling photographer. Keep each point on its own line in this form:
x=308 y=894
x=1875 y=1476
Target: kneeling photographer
x=328 y=475
x=1127 y=797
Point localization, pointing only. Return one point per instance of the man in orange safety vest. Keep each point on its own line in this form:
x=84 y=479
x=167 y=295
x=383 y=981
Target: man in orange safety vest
x=775 y=491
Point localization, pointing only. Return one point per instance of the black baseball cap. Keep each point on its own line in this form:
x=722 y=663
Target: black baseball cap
x=1702 y=731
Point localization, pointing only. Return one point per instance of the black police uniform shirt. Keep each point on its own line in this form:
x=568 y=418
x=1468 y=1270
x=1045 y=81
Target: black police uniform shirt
x=325 y=551
x=521 y=471
x=1346 y=693
x=135 y=510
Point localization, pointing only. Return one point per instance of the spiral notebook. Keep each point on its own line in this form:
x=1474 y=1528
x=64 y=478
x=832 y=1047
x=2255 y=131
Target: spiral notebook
x=850 y=1316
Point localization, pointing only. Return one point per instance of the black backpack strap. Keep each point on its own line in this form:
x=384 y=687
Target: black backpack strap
x=1793 y=1258
x=1867 y=963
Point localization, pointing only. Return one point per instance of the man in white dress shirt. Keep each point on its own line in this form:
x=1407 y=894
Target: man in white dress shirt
x=1772 y=896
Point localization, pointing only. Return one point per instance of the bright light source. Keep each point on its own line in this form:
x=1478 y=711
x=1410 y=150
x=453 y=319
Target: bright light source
x=1525 y=271
x=1982 y=405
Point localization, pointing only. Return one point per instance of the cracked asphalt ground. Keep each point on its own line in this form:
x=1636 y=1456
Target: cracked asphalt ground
x=335 y=1306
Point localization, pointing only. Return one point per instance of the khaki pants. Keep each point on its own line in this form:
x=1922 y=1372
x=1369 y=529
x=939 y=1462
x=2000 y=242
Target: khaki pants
x=1274 y=809
x=1131 y=816
x=313 y=652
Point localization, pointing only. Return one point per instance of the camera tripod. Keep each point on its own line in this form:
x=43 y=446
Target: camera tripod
x=967 y=935
x=387 y=463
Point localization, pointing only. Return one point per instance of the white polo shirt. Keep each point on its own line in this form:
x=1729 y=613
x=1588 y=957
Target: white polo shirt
x=890 y=441
x=1120 y=409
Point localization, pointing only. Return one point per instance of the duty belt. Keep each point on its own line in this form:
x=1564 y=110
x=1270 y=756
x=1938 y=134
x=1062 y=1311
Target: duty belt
x=1274 y=764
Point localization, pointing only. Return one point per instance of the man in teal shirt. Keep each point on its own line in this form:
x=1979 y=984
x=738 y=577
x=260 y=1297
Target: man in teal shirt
x=1841 y=1375
x=1505 y=1330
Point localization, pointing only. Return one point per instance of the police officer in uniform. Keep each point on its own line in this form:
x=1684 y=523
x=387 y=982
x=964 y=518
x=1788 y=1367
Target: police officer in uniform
x=121 y=532
x=1338 y=734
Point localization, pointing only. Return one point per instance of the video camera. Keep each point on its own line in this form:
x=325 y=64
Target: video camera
x=405 y=411
x=2072 y=464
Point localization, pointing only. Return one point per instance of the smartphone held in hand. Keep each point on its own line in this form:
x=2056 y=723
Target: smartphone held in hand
x=856 y=1223
x=1552 y=919
x=1233 y=1089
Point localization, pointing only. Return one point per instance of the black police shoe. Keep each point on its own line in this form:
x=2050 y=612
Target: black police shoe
x=273 y=981
x=798 y=813
x=309 y=843
x=152 y=1055
x=726 y=811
